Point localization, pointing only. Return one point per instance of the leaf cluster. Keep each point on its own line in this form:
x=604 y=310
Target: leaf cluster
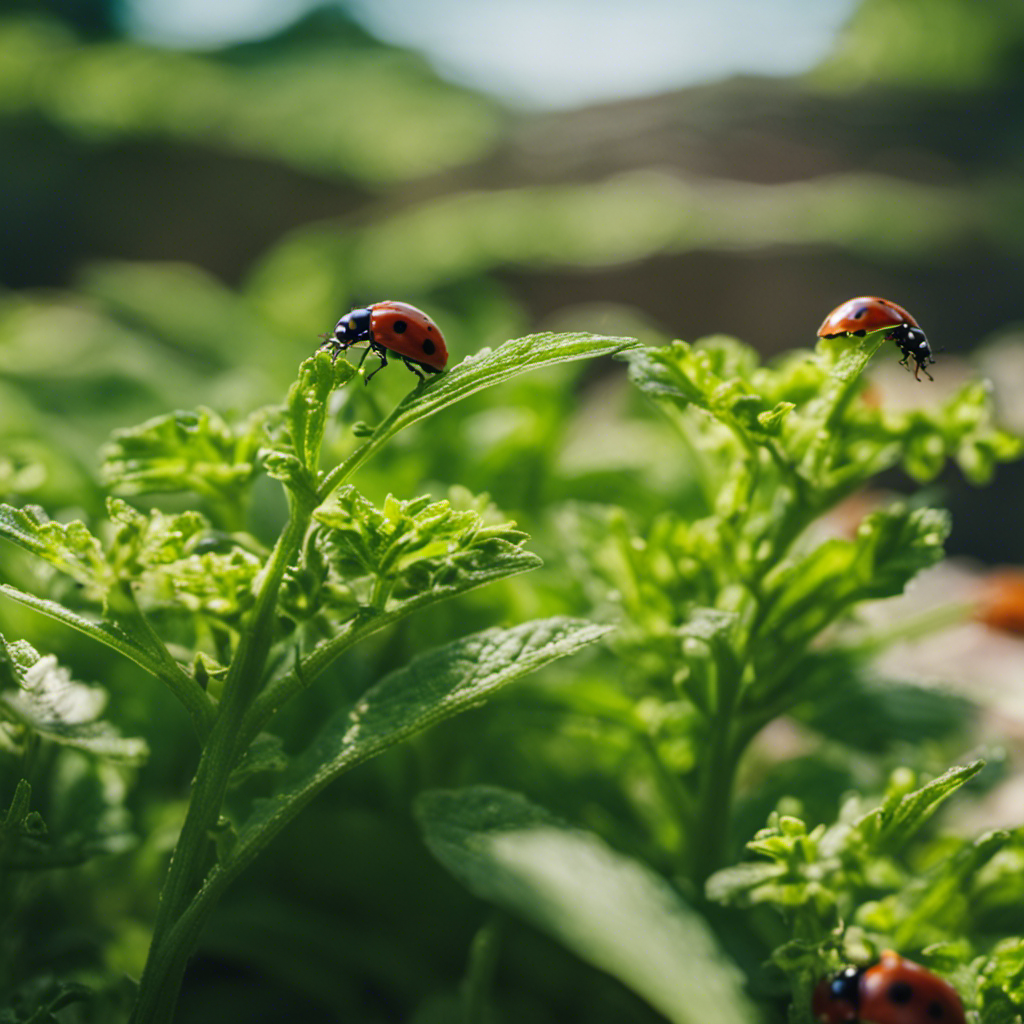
x=878 y=878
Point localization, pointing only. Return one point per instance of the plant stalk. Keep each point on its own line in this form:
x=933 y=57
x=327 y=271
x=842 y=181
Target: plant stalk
x=165 y=967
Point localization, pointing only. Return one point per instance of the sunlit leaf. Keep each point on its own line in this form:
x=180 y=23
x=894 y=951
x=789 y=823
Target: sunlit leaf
x=609 y=909
x=39 y=696
x=482 y=370
x=432 y=687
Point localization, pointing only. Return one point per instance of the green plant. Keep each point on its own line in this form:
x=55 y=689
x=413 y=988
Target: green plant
x=878 y=878
x=235 y=629
x=733 y=615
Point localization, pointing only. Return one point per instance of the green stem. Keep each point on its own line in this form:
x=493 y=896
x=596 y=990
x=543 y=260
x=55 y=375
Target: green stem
x=164 y=969
x=673 y=791
x=716 y=776
x=483 y=958
x=714 y=802
x=337 y=476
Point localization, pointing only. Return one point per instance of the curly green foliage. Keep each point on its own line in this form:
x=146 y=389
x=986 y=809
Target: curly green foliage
x=217 y=617
x=188 y=451
x=38 y=698
x=805 y=420
x=874 y=879
x=726 y=609
x=156 y=564
x=407 y=547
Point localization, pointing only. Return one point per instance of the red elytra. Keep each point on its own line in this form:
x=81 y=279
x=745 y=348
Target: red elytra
x=893 y=991
x=866 y=313
x=409 y=332
x=391 y=327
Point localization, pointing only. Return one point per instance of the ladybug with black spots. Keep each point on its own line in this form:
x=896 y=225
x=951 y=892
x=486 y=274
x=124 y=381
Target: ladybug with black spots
x=867 y=314
x=893 y=991
x=391 y=327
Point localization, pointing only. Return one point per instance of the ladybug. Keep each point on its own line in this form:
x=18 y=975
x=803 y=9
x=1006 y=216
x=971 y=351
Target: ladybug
x=391 y=326
x=868 y=313
x=893 y=991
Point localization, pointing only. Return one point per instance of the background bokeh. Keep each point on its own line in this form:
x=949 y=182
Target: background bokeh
x=189 y=198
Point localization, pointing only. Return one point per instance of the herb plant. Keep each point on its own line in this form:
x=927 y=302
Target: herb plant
x=236 y=629
x=731 y=613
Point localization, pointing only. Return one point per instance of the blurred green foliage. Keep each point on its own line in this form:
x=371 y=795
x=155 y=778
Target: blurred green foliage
x=295 y=100
x=928 y=44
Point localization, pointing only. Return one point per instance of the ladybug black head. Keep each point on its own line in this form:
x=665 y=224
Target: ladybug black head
x=916 y=339
x=908 y=338
x=846 y=985
x=353 y=326
x=836 y=1000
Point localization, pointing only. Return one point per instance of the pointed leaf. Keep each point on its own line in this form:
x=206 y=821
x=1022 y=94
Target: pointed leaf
x=68 y=547
x=482 y=370
x=157 y=663
x=434 y=686
x=899 y=818
x=609 y=909
x=41 y=696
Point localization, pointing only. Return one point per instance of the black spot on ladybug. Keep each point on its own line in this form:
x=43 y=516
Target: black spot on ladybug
x=936 y=1010
x=399 y=327
x=900 y=992
x=860 y=312
x=429 y=347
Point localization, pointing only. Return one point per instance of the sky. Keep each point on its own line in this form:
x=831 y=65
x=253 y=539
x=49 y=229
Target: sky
x=545 y=54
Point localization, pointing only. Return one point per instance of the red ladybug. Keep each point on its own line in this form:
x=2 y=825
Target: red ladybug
x=391 y=326
x=893 y=991
x=869 y=313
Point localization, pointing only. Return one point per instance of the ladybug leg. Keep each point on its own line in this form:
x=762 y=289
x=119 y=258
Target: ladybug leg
x=334 y=345
x=415 y=369
x=381 y=353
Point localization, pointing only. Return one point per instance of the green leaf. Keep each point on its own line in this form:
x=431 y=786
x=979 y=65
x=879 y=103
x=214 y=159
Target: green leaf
x=903 y=813
x=482 y=370
x=873 y=714
x=483 y=554
x=432 y=687
x=155 y=661
x=609 y=909
x=144 y=542
x=713 y=375
x=935 y=903
x=307 y=405
x=1002 y=978
x=68 y=547
x=409 y=548
x=803 y=594
x=39 y=696
x=18 y=811
x=739 y=884
x=186 y=451
x=265 y=754
x=86 y=816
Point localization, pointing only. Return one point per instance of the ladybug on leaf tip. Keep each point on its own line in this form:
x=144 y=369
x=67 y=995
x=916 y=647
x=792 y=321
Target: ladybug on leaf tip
x=868 y=313
x=893 y=991
x=391 y=327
